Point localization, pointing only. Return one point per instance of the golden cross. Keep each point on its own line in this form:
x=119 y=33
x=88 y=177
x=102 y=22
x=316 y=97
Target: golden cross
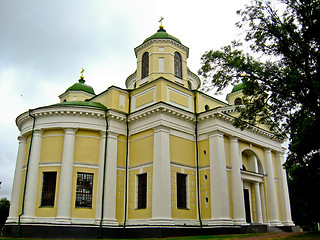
x=82 y=73
x=160 y=21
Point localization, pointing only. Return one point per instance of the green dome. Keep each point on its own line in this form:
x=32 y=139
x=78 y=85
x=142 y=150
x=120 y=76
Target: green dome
x=238 y=87
x=80 y=86
x=162 y=34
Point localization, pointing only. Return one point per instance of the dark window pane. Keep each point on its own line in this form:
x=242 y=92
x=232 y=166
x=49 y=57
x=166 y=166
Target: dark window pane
x=48 y=189
x=177 y=65
x=145 y=65
x=84 y=189
x=142 y=190
x=181 y=191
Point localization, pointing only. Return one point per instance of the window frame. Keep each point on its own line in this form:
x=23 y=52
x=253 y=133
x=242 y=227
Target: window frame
x=145 y=65
x=81 y=195
x=182 y=203
x=177 y=65
x=142 y=191
x=48 y=190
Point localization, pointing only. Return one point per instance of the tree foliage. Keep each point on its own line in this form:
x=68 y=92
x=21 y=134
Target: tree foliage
x=4 y=211
x=279 y=63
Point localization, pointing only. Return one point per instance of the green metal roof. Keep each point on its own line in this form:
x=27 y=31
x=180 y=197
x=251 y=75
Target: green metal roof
x=162 y=34
x=80 y=86
x=81 y=103
x=238 y=87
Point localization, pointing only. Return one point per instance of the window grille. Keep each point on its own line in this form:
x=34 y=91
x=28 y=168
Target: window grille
x=177 y=65
x=142 y=191
x=181 y=191
x=84 y=189
x=48 y=189
x=145 y=65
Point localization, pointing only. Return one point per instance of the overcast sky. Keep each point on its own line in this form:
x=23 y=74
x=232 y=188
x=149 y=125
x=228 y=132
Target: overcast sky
x=44 y=44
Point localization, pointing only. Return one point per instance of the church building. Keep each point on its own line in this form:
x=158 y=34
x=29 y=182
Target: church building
x=159 y=158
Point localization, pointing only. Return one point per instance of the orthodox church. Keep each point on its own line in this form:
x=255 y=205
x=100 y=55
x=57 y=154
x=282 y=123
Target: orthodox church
x=159 y=158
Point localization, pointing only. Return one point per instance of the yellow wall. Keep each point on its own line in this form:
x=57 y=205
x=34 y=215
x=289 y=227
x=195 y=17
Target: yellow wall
x=52 y=146
x=121 y=150
x=82 y=212
x=87 y=147
x=47 y=211
x=182 y=150
x=120 y=195
x=204 y=153
x=141 y=148
x=203 y=100
x=205 y=193
x=227 y=150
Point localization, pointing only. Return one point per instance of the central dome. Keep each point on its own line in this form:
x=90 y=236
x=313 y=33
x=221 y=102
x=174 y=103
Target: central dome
x=162 y=34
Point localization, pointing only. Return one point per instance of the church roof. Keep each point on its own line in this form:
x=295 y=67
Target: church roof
x=162 y=34
x=81 y=86
x=81 y=103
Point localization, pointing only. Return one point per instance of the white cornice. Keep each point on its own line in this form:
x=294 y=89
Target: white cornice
x=146 y=44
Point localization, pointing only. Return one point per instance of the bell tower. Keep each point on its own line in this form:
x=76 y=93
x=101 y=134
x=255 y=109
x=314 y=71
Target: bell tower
x=162 y=55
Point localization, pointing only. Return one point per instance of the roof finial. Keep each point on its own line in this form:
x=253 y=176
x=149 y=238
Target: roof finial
x=160 y=21
x=82 y=73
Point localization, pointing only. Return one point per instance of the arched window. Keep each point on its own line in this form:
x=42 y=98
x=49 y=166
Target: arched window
x=237 y=101
x=145 y=65
x=177 y=65
x=206 y=107
x=189 y=85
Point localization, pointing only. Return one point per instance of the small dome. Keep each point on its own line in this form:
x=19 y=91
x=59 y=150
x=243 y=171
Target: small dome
x=162 y=34
x=238 y=87
x=80 y=86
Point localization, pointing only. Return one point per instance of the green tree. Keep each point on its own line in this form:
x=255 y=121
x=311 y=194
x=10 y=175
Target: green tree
x=279 y=63
x=4 y=211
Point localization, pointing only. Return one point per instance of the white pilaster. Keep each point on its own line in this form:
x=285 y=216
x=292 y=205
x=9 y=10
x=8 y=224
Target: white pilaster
x=16 y=187
x=33 y=173
x=109 y=210
x=100 y=174
x=283 y=191
x=236 y=183
x=161 y=183
x=218 y=181
x=65 y=187
x=271 y=189
x=258 y=203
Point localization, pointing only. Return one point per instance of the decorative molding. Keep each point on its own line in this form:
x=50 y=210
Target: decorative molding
x=174 y=43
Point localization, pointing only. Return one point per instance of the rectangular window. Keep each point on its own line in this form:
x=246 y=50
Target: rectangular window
x=161 y=64
x=84 y=189
x=181 y=191
x=142 y=191
x=48 y=189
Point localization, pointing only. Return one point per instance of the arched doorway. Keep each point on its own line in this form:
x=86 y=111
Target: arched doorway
x=252 y=174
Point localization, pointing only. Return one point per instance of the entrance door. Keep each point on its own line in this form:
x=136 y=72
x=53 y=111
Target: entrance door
x=247 y=205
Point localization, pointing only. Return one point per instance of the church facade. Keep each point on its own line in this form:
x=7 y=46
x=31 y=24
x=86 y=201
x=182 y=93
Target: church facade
x=156 y=158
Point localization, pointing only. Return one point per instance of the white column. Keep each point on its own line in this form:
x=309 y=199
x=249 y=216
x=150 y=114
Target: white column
x=218 y=181
x=271 y=189
x=258 y=202
x=283 y=191
x=236 y=183
x=33 y=173
x=16 y=187
x=109 y=209
x=100 y=175
x=161 y=183
x=65 y=187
